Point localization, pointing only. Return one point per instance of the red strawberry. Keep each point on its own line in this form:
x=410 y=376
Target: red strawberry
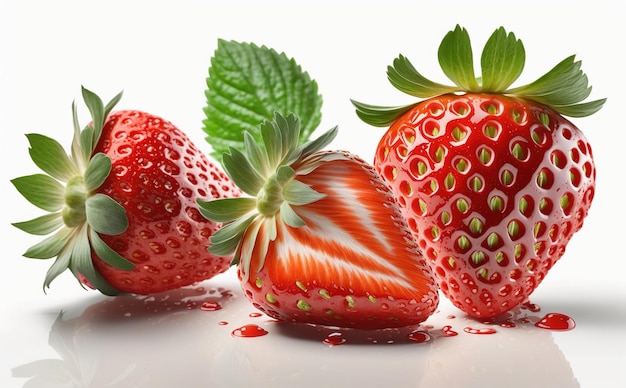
x=321 y=239
x=493 y=181
x=122 y=204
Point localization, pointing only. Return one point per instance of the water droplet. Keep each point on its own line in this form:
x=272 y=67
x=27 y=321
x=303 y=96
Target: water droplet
x=334 y=339
x=249 y=331
x=210 y=306
x=419 y=336
x=556 y=321
x=485 y=330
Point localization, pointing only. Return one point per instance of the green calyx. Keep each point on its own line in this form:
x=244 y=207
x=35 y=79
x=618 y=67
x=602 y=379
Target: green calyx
x=67 y=191
x=563 y=88
x=268 y=174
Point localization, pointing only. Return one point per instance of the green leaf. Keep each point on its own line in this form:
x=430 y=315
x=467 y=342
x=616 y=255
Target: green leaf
x=97 y=171
x=246 y=85
x=50 y=156
x=81 y=261
x=502 y=61
x=51 y=246
x=41 y=226
x=226 y=209
x=456 y=59
x=41 y=190
x=107 y=254
x=105 y=215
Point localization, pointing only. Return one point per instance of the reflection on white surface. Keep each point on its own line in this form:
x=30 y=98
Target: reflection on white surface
x=183 y=338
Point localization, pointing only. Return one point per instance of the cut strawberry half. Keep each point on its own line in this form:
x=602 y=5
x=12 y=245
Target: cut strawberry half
x=320 y=239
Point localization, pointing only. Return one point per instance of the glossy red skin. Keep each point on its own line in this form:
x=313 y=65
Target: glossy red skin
x=157 y=174
x=528 y=256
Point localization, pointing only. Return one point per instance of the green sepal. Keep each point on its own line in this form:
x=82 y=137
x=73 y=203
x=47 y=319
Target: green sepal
x=42 y=225
x=457 y=61
x=380 y=116
x=60 y=265
x=226 y=209
x=224 y=242
x=290 y=217
x=50 y=157
x=243 y=174
x=271 y=174
x=300 y=194
x=97 y=171
x=502 y=61
x=107 y=254
x=41 y=190
x=51 y=246
x=404 y=77
x=105 y=215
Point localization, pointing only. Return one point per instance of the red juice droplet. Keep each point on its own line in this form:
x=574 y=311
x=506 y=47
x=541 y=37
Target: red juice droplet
x=249 y=331
x=255 y=315
x=222 y=323
x=334 y=339
x=448 y=332
x=508 y=324
x=531 y=306
x=419 y=336
x=486 y=330
x=210 y=306
x=556 y=321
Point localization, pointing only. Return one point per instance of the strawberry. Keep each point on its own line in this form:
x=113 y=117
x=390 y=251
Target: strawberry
x=122 y=204
x=320 y=238
x=494 y=181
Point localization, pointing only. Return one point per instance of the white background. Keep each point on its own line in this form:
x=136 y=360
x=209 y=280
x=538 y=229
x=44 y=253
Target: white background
x=158 y=53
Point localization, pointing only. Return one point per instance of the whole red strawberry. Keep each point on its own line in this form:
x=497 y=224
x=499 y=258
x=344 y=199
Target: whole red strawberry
x=123 y=203
x=321 y=239
x=493 y=181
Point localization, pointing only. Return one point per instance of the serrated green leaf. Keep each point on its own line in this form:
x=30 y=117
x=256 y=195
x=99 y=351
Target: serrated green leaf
x=107 y=254
x=246 y=85
x=41 y=226
x=105 y=215
x=456 y=59
x=51 y=246
x=502 y=61
x=226 y=209
x=50 y=157
x=41 y=190
x=97 y=171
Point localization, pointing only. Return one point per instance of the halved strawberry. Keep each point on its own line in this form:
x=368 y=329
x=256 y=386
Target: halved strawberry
x=122 y=210
x=321 y=239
